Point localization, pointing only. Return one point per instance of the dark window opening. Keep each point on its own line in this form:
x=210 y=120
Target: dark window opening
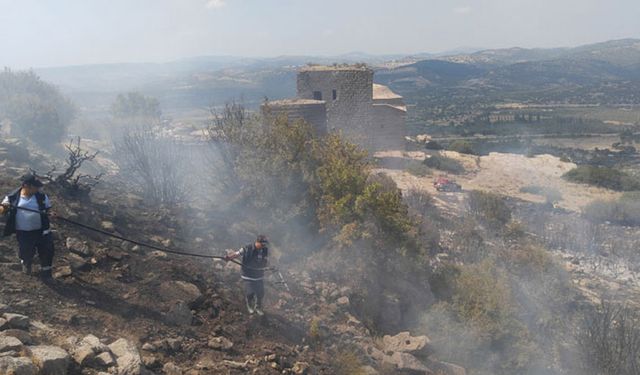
x=335 y=94
x=317 y=95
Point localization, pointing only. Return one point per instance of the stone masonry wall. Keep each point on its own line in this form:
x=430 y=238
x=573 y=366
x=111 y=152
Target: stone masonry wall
x=314 y=114
x=388 y=128
x=351 y=111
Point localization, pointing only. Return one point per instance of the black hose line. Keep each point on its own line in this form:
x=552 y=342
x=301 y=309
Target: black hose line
x=139 y=243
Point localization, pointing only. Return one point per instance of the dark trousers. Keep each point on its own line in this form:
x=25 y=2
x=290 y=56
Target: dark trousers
x=31 y=241
x=254 y=288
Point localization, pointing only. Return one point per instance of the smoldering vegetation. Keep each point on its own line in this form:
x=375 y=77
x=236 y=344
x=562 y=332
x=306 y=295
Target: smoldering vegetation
x=483 y=285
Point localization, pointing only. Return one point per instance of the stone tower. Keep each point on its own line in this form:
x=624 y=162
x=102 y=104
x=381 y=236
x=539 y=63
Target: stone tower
x=345 y=99
x=347 y=92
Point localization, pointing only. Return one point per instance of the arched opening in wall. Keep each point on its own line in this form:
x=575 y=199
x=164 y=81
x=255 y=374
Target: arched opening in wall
x=317 y=95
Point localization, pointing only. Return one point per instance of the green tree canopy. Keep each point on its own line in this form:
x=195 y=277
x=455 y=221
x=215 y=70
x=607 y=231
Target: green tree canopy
x=36 y=109
x=136 y=105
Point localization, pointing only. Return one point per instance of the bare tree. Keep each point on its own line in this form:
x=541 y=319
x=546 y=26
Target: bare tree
x=72 y=180
x=157 y=165
x=610 y=340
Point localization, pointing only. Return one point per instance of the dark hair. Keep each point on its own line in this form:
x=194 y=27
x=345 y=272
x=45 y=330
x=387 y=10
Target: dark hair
x=31 y=180
x=262 y=239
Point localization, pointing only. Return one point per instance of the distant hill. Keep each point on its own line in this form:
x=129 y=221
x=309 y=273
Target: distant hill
x=609 y=69
x=618 y=52
x=608 y=72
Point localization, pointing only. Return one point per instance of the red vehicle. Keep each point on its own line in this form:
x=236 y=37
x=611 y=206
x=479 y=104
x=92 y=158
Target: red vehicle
x=445 y=184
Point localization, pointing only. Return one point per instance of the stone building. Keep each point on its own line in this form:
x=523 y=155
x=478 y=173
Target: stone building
x=366 y=113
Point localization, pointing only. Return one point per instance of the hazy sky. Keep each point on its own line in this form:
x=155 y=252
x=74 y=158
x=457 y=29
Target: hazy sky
x=36 y=33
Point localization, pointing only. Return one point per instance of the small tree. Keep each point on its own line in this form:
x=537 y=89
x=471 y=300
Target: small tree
x=71 y=180
x=36 y=109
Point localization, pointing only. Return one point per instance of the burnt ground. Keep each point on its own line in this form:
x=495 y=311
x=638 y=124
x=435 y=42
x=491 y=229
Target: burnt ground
x=116 y=292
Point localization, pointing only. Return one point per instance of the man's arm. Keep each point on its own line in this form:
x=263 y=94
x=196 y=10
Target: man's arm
x=234 y=255
x=4 y=206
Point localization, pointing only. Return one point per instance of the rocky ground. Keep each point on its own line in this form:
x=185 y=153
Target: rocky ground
x=116 y=308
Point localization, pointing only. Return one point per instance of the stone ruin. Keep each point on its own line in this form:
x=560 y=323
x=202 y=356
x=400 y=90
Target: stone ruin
x=345 y=99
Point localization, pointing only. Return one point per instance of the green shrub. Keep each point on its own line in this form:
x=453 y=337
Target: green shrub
x=418 y=169
x=37 y=110
x=433 y=145
x=605 y=177
x=461 y=146
x=489 y=207
x=444 y=163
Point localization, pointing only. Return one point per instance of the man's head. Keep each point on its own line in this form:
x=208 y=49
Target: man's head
x=31 y=184
x=261 y=241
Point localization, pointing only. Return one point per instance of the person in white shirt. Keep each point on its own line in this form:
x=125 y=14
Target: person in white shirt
x=28 y=217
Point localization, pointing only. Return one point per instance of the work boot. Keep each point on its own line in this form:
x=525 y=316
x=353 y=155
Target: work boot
x=26 y=268
x=250 y=305
x=45 y=275
x=259 y=311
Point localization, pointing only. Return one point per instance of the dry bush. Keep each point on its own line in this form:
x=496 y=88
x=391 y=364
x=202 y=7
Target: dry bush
x=156 y=165
x=347 y=362
x=623 y=211
x=490 y=208
x=609 y=340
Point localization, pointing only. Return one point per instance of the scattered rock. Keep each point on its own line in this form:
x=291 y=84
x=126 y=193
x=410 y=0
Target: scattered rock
x=8 y=343
x=17 y=321
x=150 y=361
x=406 y=362
x=50 y=360
x=78 y=263
x=171 y=369
x=43 y=328
x=3 y=308
x=94 y=343
x=17 y=366
x=149 y=347
x=62 y=272
x=21 y=335
x=235 y=365
x=403 y=342
x=105 y=360
x=78 y=247
x=84 y=355
x=3 y=324
x=115 y=255
x=180 y=291
x=220 y=343
x=107 y=225
x=160 y=255
x=180 y=314
x=343 y=301
x=300 y=368
x=127 y=357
